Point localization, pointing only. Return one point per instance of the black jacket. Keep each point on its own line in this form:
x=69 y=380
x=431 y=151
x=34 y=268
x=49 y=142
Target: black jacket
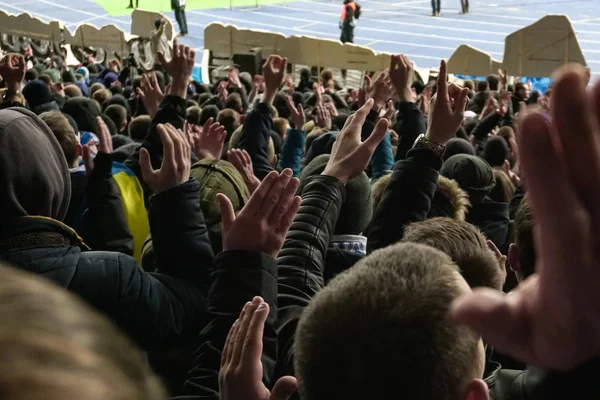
x=154 y=309
x=410 y=123
x=492 y=218
x=302 y=260
x=406 y=198
x=255 y=138
x=238 y=277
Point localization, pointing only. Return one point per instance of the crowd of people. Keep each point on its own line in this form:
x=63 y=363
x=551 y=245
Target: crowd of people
x=266 y=237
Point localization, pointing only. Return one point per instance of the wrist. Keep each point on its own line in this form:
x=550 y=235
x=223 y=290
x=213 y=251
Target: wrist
x=269 y=96
x=406 y=95
x=179 y=88
x=335 y=174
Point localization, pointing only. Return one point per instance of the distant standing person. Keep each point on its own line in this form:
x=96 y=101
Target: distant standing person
x=179 y=7
x=435 y=8
x=137 y=3
x=465 y=6
x=350 y=12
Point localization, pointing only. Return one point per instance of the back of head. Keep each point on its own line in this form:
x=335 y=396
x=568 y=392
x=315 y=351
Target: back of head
x=473 y=174
x=192 y=115
x=72 y=90
x=465 y=245
x=381 y=330
x=35 y=177
x=524 y=238
x=280 y=126
x=96 y=87
x=37 y=93
x=469 y=84
x=234 y=102
x=56 y=347
x=357 y=209
x=208 y=112
x=102 y=96
x=230 y=120
x=118 y=115
x=493 y=81
x=64 y=133
x=482 y=86
x=495 y=151
x=84 y=111
x=458 y=146
x=234 y=143
x=139 y=127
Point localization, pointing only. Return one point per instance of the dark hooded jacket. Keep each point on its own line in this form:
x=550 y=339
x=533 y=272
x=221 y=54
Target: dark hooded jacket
x=84 y=111
x=154 y=309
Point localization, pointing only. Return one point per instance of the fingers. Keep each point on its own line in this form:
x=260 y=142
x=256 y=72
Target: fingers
x=496 y=318
x=161 y=58
x=104 y=137
x=377 y=135
x=442 y=81
x=88 y=161
x=286 y=198
x=227 y=349
x=253 y=344
x=460 y=104
x=576 y=127
x=256 y=200
x=168 y=146
x=287 y=220
x=245 y=319
x=227 y=212
x=290 y=104
x=554 y=203
x=284 y=388
x=275 y=194
x=145 y=165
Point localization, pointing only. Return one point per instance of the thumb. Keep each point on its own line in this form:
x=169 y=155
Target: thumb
x=227 y=213
x=496 y=317
x=145 y=165
x=284 y=388
x=377 y=135
x=87 y=159
x=506 y=166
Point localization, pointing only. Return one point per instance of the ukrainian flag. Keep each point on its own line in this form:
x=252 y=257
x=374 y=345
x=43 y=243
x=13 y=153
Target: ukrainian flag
x=132 y=195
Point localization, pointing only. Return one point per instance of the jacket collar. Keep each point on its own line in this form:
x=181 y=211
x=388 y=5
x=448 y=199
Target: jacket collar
x=37 y=231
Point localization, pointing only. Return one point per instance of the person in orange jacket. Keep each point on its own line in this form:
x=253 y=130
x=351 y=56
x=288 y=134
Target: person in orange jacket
x=350 y=13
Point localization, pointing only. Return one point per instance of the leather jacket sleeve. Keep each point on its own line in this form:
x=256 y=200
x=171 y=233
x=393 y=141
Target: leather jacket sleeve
x=302 y=260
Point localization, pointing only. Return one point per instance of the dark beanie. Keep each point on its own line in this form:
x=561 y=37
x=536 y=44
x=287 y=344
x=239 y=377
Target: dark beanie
x=120 y=141
x=357 y=209
x=473 y=174
x=457 y=146
x=37 y=93
x=321 y=145
x=496 y=151
x=84 y=111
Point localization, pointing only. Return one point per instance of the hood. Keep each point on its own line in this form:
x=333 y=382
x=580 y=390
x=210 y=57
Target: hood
x=84 y=112
x=35 y=176
x=473 y=174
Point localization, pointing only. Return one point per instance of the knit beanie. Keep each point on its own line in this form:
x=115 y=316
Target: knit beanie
x=495 y=151
x=357 y=209
x=84 y=111
x=321 y=145
x=473 y=174
x=37 y=93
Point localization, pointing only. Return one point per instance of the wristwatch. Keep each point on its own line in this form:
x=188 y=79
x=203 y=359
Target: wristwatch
x=423 y=142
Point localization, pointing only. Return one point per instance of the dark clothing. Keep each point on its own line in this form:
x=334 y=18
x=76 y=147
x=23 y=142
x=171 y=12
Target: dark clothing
x=181 y=19
x=410 y=123
x=154 y=309
x=465 y=6
x=302 y=260
x=255 y=139
x=77 y=205
x=406 y=198
x=238 y=276
x=435 y=6
x=492 y=218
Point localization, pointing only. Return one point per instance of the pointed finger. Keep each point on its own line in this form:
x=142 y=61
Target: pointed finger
x=168 y=146
x=225 y=357
x=284 y=202
x=275 y=194
x=240 y=338
x=376 y=136
x=145 y=165
x=259 y=195
x=442 y=81
x=288 y=219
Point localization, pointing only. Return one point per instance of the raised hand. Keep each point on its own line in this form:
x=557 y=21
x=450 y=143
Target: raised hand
x=12 y=69
x=297 y=112
x=382 y=90
x=234 y=77
x=264 y=221
x=180 y=67
x=366 y=88
x=349 y=156
x=503 y=74
x=447 y=109
x=552 y=320
x=514 y=178
x=401 y=74
x=273 y=72
x=150 y=94
x=390 y=110
x=488 y=108
x=240 y=375
x=426 y=99
x=176 y=164
x=323 y=117
x=243 y=163
x=104 y=146
x=210 y=141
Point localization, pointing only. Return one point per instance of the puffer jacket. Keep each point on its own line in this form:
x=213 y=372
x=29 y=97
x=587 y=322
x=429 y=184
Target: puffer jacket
x=154 y=309
x=302 y=260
